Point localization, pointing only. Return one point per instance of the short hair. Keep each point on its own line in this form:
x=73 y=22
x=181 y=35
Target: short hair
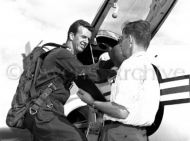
x=74 y=27
x=140 y=30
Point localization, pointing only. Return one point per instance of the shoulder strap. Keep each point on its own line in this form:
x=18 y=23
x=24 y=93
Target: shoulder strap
x=39 y=61
x=54 y=45
x=33 y=89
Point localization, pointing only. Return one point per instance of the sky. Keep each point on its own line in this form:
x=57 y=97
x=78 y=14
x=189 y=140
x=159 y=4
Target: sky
x=24 y=21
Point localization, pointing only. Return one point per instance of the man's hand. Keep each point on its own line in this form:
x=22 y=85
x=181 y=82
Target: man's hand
x=85 y=97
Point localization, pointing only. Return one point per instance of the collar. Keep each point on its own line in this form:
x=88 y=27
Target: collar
x=67 y=48
x=138 y=54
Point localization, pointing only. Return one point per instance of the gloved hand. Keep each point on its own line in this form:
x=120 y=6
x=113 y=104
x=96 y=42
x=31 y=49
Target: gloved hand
x=105 y=62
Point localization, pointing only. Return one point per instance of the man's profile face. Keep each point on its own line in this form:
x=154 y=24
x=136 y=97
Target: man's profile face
x=81 y=39
x=116 y=55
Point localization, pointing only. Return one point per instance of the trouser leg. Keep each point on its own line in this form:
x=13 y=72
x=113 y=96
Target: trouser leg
x=47 y=126
x=116 y=132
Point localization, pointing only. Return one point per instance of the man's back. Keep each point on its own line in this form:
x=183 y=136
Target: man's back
x=136 y=87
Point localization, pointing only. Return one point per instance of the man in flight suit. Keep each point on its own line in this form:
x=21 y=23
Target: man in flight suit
x=60 y=68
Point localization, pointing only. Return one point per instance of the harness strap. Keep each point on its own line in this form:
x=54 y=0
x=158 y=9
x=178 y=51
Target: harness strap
x=42 y=98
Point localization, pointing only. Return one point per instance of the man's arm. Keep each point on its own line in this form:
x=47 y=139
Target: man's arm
x=73 y=65
x=110 y=108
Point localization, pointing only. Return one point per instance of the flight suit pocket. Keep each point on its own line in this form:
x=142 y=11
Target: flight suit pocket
x=44 y=115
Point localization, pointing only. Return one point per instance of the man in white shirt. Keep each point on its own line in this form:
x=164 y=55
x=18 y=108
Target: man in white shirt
x=135 y=94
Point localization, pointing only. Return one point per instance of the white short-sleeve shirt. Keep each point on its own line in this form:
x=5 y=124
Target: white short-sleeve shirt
x=136 y=87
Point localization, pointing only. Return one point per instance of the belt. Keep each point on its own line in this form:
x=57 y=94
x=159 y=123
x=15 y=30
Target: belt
x=107 y=122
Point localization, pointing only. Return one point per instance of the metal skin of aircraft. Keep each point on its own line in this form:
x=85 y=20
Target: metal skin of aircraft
x=81 y=115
